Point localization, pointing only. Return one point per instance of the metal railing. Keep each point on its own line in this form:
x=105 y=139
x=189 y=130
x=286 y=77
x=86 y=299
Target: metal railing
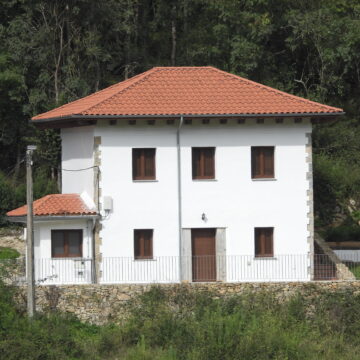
x=165 y=269
x=63 y=271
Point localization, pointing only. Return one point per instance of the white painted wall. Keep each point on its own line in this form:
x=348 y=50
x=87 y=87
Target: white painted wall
x=77 y=153
x=232 y=201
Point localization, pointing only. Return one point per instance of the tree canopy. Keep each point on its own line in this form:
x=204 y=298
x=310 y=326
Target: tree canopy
x=52 y=52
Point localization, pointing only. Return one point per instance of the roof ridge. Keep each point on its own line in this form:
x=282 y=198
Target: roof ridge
x=181 y=67
x=276 y=91
x=93 y=94
x=141 y=79
x=67 y=194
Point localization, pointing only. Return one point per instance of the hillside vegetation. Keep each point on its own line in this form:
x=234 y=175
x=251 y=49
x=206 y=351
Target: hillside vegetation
x=189 y=325
x=52 y=52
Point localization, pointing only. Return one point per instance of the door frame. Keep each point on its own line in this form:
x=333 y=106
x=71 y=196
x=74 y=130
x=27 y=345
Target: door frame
x=186 y=255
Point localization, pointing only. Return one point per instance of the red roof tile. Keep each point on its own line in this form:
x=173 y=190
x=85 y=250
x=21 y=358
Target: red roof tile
x=56 y=204
x=188 y=91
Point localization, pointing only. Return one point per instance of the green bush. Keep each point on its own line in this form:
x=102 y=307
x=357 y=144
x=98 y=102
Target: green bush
x=335 y=181
x=182 y=324
x=246 y=326
x=343 y=233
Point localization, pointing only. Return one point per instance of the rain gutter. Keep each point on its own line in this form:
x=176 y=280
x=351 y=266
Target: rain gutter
x=22 y=219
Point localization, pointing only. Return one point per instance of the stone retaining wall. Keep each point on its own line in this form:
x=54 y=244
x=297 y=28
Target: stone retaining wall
x=99 y=304
x=14 y=241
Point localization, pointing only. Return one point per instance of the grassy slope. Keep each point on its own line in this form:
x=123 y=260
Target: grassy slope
x=192 y=326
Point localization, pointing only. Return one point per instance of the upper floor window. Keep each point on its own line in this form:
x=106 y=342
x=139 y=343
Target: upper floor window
x=262 y=162
x=143 y=244
x=66 y=243
x=144 y=164
x=203 y=163
x=264 y=245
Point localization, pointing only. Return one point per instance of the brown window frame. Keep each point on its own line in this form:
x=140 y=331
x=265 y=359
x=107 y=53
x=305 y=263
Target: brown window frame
x=66 y=253
x=200 y=152
x=259 y=151
x=140 y=173
x=261 y=236
x=140 y=236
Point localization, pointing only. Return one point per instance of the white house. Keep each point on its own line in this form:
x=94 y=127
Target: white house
x=180 y=174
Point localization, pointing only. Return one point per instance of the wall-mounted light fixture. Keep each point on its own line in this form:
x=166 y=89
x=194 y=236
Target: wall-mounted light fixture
x=203 y=217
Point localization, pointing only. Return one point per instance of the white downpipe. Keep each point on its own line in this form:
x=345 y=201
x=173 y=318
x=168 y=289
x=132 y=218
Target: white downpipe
x=179 y=192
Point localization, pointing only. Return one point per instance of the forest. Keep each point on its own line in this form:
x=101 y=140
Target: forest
x=53 y=52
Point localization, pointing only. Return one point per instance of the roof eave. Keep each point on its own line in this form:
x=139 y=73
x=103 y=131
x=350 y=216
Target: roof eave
x=95 y=117
x=37 y=218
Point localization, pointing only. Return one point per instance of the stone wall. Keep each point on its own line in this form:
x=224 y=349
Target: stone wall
x=14 y=240
x=99 y=304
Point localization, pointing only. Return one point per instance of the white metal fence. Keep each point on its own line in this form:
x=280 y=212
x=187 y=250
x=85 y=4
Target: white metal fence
x=170 y=269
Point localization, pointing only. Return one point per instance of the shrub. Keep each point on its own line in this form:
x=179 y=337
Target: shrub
x=249 y=326
x=343 y=233
x=335 y=181
x=185 y=324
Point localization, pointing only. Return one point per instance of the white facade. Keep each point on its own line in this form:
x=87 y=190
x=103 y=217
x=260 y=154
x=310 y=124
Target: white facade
x=77 y=153
x=232 y=202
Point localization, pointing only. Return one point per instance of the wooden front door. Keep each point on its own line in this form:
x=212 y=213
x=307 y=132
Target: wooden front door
x=203 y=254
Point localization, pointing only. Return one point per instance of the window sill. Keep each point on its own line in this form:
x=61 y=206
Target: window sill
x=145 y=181
x=136 y=260
x=201 y=180
x=78 y=258
x=264 y=179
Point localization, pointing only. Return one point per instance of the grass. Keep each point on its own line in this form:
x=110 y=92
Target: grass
x=8 y=253
x=354 y=268
x=183 y=324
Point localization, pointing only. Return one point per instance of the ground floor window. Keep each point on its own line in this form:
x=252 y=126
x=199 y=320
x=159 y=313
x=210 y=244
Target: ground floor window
x=143 y=244
x=66 y=243
x=264 y=244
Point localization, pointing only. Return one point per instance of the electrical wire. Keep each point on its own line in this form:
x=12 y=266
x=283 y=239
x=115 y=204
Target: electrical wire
x=91 y=167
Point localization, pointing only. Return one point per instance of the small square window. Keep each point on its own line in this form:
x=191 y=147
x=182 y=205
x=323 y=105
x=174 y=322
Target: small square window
x=143 y=244
x=144 y=164
x=203 y=163
x=66 y=243
x=264 y=244
x=262 y=162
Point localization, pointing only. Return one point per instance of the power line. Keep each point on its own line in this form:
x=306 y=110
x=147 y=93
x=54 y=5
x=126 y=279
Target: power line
x=88 y=168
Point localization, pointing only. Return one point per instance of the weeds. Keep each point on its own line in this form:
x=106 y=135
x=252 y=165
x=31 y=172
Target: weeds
x=180 y=323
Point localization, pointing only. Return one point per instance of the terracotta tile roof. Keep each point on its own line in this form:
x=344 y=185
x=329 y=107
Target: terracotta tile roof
x=187 y=91
x=56 y=204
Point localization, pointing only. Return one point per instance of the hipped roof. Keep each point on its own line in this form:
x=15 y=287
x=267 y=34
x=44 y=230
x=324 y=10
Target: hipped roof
x=187 y=91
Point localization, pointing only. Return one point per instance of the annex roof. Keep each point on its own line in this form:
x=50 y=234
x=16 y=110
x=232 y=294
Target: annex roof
x=56 y=204
x=188 y=91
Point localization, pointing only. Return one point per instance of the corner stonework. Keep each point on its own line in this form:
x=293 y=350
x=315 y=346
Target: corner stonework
x=97 y=193
x=310 y=202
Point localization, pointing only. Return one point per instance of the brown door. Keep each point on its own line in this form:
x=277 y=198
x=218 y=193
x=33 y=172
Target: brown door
x=203 y=254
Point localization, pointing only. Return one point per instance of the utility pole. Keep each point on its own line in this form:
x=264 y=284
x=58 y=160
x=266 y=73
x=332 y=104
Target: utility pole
x=30 y=272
